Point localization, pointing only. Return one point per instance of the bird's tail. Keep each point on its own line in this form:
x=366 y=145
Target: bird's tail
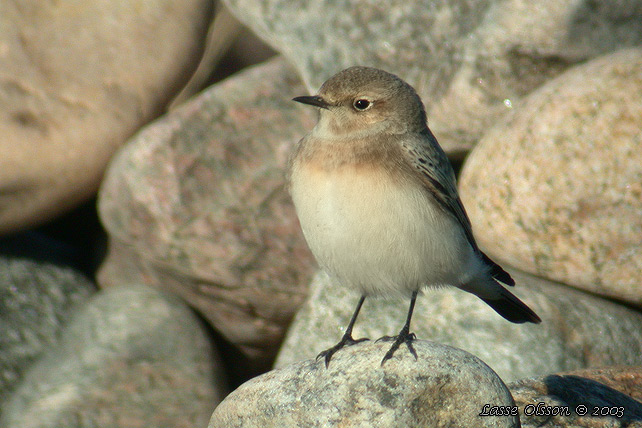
x=511 y=308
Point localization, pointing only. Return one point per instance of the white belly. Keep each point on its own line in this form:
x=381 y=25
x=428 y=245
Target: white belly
x=376 y=236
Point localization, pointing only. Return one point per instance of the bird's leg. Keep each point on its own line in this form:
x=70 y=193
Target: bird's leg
x=404 y=335
x=347 y=339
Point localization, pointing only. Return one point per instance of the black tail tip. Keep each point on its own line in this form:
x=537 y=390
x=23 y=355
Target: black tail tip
x=513 y=309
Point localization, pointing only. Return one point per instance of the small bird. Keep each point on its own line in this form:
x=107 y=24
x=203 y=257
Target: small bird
x=377 y=202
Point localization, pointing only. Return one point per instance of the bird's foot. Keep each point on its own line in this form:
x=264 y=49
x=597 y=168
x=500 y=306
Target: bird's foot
x=345 y=341
x=403 y=337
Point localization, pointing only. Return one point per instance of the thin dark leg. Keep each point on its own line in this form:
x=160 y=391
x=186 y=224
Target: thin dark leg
x=347 y=339
x=404 y=335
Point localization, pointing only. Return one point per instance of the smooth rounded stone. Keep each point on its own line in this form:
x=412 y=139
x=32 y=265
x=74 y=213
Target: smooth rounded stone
x=36 y=300
x=577 y=330
x=471 y=61
x=196 y=204
x=76 y=79
x=443 y=387
x=556 y=189
x=608 y=397
x=131 y=357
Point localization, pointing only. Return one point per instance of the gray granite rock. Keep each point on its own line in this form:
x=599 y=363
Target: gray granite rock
x=608 y=397
x=130 y=358
x=443 y=387
x=577 y=330
x=36 y=300
x=470 y=60
x=76 y=80
x=556 y=189
x=196 y=204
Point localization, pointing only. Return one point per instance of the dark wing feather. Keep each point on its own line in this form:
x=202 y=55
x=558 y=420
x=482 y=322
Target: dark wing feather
x=424 y=153
x=497 y=272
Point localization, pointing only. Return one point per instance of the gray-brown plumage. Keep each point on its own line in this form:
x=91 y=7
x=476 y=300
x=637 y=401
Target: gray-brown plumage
x=377 y=201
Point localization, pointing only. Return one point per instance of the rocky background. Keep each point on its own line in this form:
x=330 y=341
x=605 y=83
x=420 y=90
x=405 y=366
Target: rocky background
x=151 y=262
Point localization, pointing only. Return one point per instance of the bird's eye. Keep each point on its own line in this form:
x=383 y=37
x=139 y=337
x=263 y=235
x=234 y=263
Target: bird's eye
x=361 y=104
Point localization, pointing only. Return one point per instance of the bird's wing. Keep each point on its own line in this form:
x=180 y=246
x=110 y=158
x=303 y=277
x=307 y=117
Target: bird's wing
x=425 y=155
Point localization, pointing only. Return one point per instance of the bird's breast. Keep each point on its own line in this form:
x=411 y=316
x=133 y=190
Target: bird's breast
x=373 y=229
x=342 y=202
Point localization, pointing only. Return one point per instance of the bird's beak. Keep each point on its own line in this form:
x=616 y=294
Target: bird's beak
x=313 y=100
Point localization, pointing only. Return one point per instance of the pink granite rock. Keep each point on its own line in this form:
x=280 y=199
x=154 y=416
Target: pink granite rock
x=196 y=204
x=556 y=189
x=76 y=80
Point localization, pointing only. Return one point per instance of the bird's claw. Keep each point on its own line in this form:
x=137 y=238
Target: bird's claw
x=346 y=341
x=403 y=337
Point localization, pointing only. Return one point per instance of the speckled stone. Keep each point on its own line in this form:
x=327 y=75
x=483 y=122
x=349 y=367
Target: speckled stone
x=470 y=60
x=196 y=204
x=36 y=301
x=577 y=330
x=443 y=387
x=556 y=189
x=131 y=357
